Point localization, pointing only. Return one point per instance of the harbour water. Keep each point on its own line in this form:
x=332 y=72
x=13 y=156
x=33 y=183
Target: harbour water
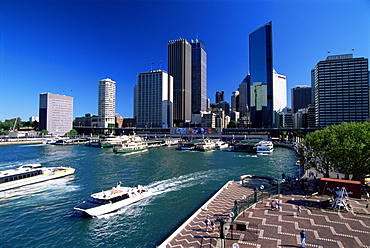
x=42 y=215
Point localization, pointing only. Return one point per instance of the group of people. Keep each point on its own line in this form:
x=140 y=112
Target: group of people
x=275 y=204
x=211 y=224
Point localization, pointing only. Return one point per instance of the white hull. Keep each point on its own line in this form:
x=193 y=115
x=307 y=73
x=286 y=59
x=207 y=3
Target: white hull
x=108 y=208
x=34 y=179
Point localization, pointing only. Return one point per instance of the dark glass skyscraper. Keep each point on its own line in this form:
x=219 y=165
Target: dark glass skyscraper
x=179 y=66
x=198 y=76
x=261 y=76
x=301 y=97
x=219 y=96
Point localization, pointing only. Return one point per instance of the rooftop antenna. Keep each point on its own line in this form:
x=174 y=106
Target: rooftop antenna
x=160 y=65
x=151 y=66
x=70 y=94
x=196 y=37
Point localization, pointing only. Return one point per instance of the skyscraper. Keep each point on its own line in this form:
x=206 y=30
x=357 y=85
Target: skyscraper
x=279 y=91
x=261 y=76
x=244 y=96
x=341 y=86
x=106 y=103
x=198 y=76
x=56 y=113
x=219 y=96
x=301 y=97
x=179 y=66
x=154 y=99
x=235 y=101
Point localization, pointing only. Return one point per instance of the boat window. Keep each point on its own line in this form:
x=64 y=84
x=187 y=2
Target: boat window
x=120 y=198
x=97 y=201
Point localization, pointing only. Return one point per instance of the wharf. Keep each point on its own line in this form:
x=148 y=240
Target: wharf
x=22 y=142
x=260 y=226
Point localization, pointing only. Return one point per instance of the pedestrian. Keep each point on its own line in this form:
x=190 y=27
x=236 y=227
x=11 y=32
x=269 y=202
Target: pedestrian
x=213 y=226
x=299 y=209
x=272 y=205
x=279 y=207
x=303 y=238
x=207 y=221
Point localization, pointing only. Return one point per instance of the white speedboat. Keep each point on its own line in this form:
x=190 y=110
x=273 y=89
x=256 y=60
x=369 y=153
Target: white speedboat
x=111 y=200
x=30 y=174
x=265 y=147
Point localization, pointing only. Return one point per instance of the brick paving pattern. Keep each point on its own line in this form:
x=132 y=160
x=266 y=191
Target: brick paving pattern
x=260 y=226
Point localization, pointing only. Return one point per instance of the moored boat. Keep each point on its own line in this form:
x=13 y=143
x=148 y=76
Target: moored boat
x=265 y=147
x=205 y=145
x=30 y=174
x=221 y=145
x=130 y=146
x=245 y=146
x=113 y=199
x=187 y=145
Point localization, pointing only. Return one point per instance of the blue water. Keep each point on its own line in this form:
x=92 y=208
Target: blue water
x=42 y=215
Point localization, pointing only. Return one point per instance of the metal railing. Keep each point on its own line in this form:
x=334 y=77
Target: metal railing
x=258 y=195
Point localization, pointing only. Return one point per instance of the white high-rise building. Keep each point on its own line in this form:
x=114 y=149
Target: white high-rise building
x=154 y=99
x=279 y=92
x=106 y=103
x=56 y=113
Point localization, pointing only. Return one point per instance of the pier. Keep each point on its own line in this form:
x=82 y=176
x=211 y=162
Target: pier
x=263 y=226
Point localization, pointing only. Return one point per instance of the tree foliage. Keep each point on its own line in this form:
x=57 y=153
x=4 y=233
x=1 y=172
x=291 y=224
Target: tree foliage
x=233 y=124
x=72 y=132
x=344 y=148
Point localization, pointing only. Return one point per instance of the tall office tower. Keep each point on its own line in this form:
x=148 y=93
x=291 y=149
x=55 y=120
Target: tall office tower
x=260 y=68
x=135 y=101
x=198 y=76
x=244 y=96
x=341 y=85
x=300 y=97
x=106 y=103
x=219 y=96
x=279 y=91
x=235 y=101
x=179 y=66
x=154 y=99
x=56 y=113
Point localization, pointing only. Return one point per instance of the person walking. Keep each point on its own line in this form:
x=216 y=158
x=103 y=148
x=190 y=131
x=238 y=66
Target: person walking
x=303 y=238
x=213 y=225
x=299 y=210
x=207 y=222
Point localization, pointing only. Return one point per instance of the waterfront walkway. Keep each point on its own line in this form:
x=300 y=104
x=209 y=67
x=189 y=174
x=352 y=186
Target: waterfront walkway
x=260 y=226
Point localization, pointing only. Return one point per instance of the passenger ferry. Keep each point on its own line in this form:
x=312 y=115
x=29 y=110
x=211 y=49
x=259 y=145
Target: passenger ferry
x=111 y=200
x=265 y=147
x=130 y=146
x=30 y=174
x=205 y=145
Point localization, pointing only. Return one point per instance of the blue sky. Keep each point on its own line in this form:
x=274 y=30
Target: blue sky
x=67 y=46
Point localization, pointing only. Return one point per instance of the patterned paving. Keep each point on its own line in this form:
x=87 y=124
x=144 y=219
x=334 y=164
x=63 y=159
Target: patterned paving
x=260 y=226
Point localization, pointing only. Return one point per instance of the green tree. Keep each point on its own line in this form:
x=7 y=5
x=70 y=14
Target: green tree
x=233 y=124
x=44 y=132
x=344 y=148
x=73 y=132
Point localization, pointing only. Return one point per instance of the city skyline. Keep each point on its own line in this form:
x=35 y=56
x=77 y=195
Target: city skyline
x=51 y=46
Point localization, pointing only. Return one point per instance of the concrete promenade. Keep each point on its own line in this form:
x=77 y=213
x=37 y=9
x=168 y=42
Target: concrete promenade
x=260 y=226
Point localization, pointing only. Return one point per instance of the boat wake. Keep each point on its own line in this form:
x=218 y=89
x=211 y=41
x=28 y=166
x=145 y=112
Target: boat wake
x=40 y=191
x=247 y=156
x=184 y=181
